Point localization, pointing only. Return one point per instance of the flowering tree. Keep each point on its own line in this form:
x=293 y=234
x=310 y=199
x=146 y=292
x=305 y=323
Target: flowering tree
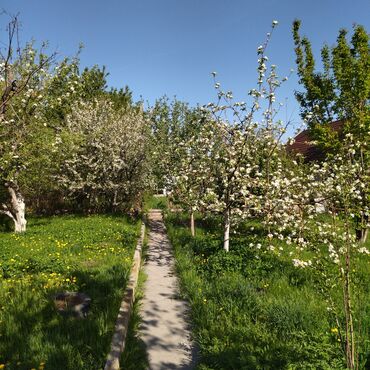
x=340 y=91
x=107 y=168
x=323 y=242
x=171 y=123
x=247 y=173
x=244 y=147
x=295 y=194
x=23 y=75
x=233 y=172
x=191 y=170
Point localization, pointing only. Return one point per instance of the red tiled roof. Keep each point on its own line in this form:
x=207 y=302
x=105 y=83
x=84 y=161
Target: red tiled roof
x=302 y=144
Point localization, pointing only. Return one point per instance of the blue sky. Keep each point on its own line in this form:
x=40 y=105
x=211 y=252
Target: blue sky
x=170 y=47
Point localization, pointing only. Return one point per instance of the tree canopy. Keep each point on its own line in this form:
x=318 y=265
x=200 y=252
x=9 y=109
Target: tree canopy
x=339 y=91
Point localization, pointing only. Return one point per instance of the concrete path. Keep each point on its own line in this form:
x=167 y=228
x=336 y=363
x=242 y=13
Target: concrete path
x=164 y=329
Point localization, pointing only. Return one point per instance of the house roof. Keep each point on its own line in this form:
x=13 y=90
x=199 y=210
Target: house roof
x=303 y=144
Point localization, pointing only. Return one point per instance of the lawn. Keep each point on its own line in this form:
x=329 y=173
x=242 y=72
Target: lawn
x=66 y=253
x=253 y=309
x=155 y=202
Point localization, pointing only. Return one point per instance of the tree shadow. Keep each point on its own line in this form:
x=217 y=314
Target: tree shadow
x=40 y=333
x=135 y=356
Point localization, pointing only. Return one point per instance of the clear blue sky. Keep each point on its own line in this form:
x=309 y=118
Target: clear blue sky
x=159 y=47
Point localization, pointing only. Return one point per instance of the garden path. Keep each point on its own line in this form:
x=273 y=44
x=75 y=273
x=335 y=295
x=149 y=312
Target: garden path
x=165 y=329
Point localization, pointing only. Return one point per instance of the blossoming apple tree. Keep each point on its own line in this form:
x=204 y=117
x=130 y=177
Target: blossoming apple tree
x=107 y=165
x=23 y=75
x=245 y=143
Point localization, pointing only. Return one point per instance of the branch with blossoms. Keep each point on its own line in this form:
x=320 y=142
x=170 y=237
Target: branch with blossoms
x=246 y=145
x=337 y=185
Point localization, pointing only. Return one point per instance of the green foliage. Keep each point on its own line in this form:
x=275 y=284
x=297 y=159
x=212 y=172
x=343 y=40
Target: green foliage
x=253 y=309
x=135 y=356
x=340 y=91
x=171 y=122
x=86 y=254
x=38 y=94
x=155 y=202
x=107 y=166
x=94 y=82
x=121 y=99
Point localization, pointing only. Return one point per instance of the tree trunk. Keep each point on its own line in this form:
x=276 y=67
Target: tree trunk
x=18 y=208
x=192 y=224
x=226 y=230
x=114 y=201
x=350 y=339
x=362 y=231
x=364 y=235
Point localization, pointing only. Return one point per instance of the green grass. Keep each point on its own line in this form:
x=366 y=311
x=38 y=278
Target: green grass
x=155 y=202
x=86 y=254
x=135 y=356
x=255 y=310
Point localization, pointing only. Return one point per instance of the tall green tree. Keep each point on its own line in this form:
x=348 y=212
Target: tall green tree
x=340 y=91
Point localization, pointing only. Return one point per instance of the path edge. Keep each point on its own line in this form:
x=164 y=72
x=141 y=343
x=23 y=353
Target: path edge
x=120 y=330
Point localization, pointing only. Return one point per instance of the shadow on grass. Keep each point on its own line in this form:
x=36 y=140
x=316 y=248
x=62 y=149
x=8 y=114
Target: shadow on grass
x=135 y=356
x=36 y=333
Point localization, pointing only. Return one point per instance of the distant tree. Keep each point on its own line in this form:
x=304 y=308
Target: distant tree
x=121 y=98
x=171 y=122
x=106 y=166
x=67 y=85
x=191 y=168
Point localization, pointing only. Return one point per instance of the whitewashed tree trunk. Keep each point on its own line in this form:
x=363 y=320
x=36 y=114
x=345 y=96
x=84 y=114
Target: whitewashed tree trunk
x=226 y=230
x=115 y=204
x=192 y=223
x=18 y=208
x=364 y=235
x=365 y=230
x=362 y=232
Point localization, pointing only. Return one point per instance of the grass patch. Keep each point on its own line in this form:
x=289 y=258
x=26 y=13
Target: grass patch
x=86 y=254
x=253 y=309
x=135 y=356
x=155 y=202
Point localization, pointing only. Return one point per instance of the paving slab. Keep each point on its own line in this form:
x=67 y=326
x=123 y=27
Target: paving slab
x=165 y=327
